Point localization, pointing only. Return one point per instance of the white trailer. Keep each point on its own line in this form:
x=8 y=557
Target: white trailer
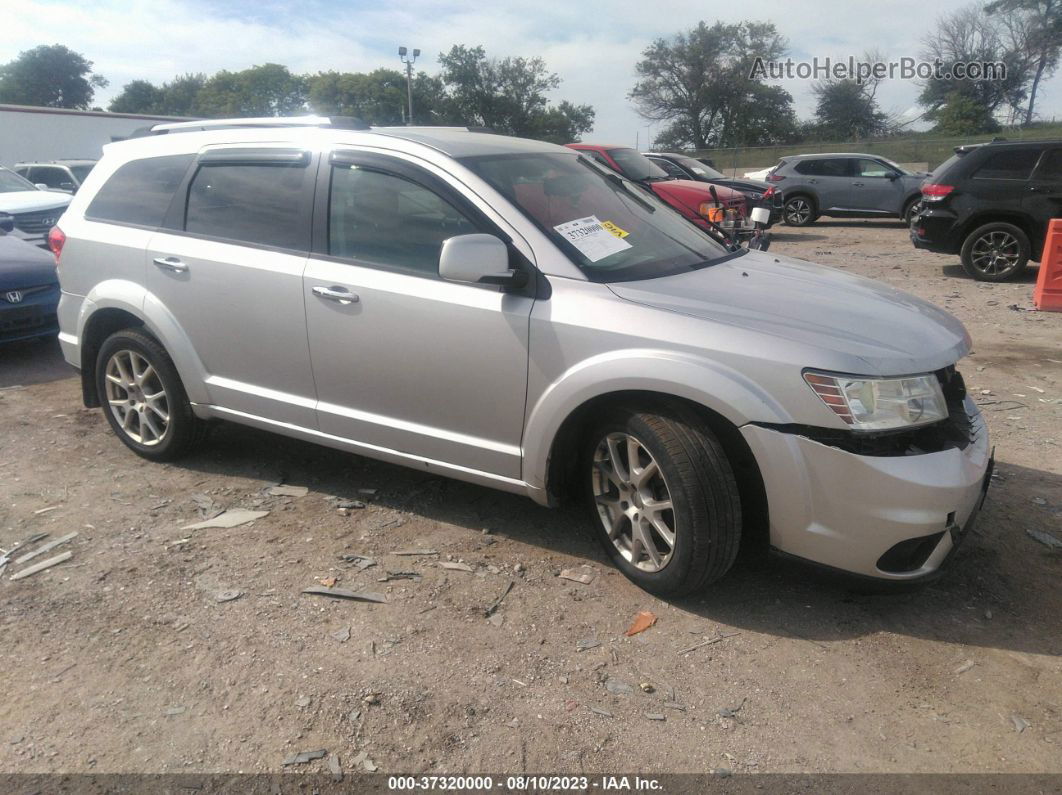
x=31 y=134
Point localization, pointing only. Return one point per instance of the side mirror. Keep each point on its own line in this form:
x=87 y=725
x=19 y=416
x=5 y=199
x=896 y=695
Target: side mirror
x=7 y=224
x=477 y=259
x=67 y=186
x=40 y=186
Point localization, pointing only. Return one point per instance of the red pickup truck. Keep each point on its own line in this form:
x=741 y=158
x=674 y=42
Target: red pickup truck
x=692 y=199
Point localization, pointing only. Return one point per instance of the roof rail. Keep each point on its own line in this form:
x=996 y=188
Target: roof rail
x=335 y=122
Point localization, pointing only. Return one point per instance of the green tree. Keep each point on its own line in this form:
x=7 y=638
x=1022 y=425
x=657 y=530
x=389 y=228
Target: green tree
x=378 y=97
x=180 y=96
x=1040 y=22
x=701 y=81
x=51 y=76
x=962 y=115
x=266 y=90
x=139 y=96
x=509 y=95
x=846 y=111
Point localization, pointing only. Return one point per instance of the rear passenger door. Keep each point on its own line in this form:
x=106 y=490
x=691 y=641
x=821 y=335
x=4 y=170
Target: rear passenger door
x=403 y=360
x=1043 y=196
x=228 y=268
x=829 y=179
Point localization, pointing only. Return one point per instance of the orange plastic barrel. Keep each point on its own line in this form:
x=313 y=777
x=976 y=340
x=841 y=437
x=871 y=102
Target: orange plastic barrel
x=1047 y=297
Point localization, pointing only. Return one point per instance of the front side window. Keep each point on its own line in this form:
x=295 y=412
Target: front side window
x=140 y=192
x=871 y=168
x=634 y=165
x=252 y=203
x=611 y=228
x=1008 y=164
x=699 y=168
x=50 y=176
x=671 y=169
x=387 y=220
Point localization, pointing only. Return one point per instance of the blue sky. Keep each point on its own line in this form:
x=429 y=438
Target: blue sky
x=592 y=46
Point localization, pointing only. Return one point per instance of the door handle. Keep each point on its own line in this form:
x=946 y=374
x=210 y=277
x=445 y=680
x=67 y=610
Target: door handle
x=1037 y=189
x=170 y=264
x=857 y=184
x=336 y=294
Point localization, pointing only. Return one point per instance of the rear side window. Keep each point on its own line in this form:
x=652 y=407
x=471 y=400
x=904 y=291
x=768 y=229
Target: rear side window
x=140 y=192
x=671 y=169
x=1008 y=164
x=253 y=203
x=1051 y=167
x=834 y=167
x=390 y=221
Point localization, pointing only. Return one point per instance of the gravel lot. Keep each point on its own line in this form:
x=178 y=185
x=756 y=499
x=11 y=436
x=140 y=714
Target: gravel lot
x=123 y=659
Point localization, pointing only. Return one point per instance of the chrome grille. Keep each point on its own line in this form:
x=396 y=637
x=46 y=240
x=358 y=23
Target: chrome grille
x=37 y=222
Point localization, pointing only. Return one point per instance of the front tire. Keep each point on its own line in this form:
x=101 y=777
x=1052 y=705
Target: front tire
x=995 y=252
x=143 y=397
x=798 y=211
x=663 y=499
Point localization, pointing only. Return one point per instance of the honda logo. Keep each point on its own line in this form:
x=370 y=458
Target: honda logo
x=13 y=297
x=49 y=222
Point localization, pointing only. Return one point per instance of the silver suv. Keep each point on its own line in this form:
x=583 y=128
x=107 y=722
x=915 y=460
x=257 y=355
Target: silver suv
x=845 y=185
x=504 y=312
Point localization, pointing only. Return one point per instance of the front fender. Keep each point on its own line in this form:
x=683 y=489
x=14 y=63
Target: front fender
x=144 y=305
x=719 y=388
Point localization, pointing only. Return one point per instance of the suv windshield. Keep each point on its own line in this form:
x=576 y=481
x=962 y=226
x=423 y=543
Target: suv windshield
x=10 y=182
x=698 y=168
x=634 y=165
x=612 y=229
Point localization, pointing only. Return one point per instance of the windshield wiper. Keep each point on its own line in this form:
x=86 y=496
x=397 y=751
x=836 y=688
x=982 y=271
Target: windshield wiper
x=618 y=180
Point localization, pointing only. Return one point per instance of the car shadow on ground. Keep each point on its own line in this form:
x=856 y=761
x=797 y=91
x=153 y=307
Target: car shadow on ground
x=1001 y=590
x=33 y=362
x=1027 y=276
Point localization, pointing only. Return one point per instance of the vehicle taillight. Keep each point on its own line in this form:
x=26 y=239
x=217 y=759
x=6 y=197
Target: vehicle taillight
x=56 y=240
x=935 y=193
x=774 y=178
x=770 y=191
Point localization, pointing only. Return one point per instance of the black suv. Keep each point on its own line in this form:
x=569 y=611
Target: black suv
x=991 y=203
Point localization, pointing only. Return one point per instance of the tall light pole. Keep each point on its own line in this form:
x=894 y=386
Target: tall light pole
x=409 y=78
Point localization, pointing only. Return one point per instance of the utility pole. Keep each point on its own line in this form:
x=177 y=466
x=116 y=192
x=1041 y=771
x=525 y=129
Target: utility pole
x=409 y=78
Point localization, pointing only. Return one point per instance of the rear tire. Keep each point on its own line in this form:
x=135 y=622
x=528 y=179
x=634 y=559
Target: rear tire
x=143 y=398
x=909 y=211
x=679 y=496
x=995 y=252
x=799 y=211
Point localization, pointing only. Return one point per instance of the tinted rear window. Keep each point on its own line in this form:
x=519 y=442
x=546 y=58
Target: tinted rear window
x=834 y=167
x=253 y=203
x=140 y=192
x=1008 y=164
x=942 y=169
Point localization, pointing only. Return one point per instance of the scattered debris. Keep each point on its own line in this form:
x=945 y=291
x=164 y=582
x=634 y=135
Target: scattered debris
x=342 y=635
x=46 y=548
x=656 y=716
x=575 y=575
x=231 y=518
x=587 y=643
x=966 y=666
x=171 y=711
x=642 y=622
x=328 y=582
x=454 y=566
x=412 y=552
x=49 y=509
x=343 y=593
x=335 y=768
x=44 y=564
x=497 y=602
x=303 y=757
x=368 y=493
x=1046 y=539
x=287 y=491
x=228 y=596
x=303 y=702
x=360 y=561
x=354 y=715
x=401 y=575
x=675 y=705
x=646 y=687
x=496 y=620
x=618 y=687
x=363 y=759
x=1020 y=724
x=602 y=712
x=346 y=505
x=709 y=642
x=732 y=712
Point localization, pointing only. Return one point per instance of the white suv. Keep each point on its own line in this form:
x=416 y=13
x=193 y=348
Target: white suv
x=504 y=312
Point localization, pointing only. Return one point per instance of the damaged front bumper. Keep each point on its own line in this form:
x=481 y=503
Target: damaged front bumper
x=886 y=516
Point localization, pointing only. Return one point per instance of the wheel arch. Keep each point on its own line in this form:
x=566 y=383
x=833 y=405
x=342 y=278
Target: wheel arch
x=1020 y=220
x=803 y=192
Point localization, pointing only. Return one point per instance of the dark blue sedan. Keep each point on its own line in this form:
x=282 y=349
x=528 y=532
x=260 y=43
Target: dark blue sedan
x=29 y=289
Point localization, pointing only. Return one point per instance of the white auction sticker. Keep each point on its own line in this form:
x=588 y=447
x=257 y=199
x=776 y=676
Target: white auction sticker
x=591 y=237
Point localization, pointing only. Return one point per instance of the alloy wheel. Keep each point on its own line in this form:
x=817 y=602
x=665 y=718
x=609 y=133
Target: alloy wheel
x=797 y=211
x=995 y=253
x=633 y=502
x=137 y=398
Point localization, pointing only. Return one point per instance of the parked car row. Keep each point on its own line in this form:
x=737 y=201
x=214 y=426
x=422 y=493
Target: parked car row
x=63 y=175
x=29 y=288
x=32 y=209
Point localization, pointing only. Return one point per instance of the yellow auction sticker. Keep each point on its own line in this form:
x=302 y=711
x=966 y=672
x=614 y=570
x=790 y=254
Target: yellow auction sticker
x=611 y=227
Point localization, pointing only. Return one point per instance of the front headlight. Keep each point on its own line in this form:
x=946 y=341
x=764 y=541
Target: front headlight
x=881 y=404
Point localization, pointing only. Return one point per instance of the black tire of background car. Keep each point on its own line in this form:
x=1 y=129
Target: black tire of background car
x=909 y=210
x=792 y=220
x=982 y=231
x=185 y=431
x=704 y=493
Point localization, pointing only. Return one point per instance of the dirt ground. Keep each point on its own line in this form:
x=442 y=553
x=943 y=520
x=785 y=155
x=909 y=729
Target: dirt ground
x=123 y=659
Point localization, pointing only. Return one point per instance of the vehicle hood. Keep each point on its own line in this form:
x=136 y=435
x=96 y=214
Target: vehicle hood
x=692 y=193
x=23 y=264
x=860 y=325
x=22 y=201
x=752 y=185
